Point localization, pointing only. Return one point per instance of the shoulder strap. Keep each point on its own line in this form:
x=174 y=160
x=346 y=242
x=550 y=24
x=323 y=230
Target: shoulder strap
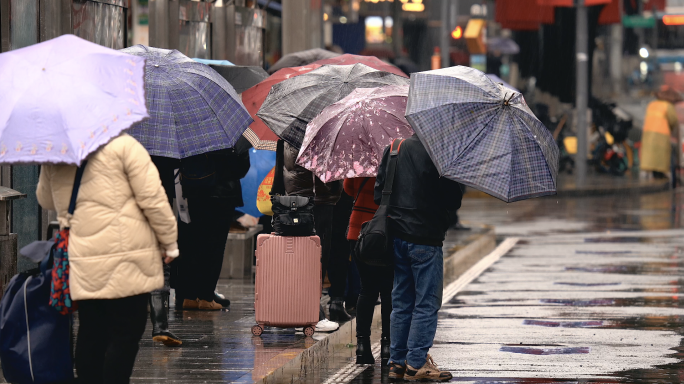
x=391 y=170
x=77 y=185
x=278 y=187
x=363 y=184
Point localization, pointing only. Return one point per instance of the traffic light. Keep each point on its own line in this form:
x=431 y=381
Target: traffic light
x=457 y=33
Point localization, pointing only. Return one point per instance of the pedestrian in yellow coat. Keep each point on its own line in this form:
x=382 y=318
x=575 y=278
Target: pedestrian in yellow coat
x=660 y=125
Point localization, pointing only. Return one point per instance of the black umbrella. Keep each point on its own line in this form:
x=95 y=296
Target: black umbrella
x=297 y=59
x=293 y=103
x=241 y=77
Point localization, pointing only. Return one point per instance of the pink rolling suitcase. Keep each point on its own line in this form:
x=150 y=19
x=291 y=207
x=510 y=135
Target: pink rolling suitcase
x=288 y=282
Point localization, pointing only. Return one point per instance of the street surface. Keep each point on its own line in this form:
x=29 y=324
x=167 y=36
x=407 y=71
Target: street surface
x=589 y=293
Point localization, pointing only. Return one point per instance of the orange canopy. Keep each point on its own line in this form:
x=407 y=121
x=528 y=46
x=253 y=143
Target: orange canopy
x=523 y=15
x=571 y=3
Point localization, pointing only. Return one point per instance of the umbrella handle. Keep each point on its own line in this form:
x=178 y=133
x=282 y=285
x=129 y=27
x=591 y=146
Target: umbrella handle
x=507 y=102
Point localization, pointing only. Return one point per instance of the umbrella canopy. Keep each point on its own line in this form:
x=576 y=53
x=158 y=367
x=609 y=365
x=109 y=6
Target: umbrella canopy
x=482 y=134
x=64 y=98
x=504 y=45
x=292 y=104
x=261 y=163
x=498 y=80
x=258 y=133
x=298 y=59
x=193 y=109
x=241 y=77
x=212 y=62
x=348 y=138
x=371 y=61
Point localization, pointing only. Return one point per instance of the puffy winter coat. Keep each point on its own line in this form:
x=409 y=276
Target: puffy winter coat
x=300 y=181
x=122 y=216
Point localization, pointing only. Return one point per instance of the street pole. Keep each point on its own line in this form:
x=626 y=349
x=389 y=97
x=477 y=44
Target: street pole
x=444 y=34
x=397 y=30
x=581 y=89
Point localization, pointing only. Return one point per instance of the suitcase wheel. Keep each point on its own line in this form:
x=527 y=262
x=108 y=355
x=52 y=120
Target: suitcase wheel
x=309 y=331
x=257 y=330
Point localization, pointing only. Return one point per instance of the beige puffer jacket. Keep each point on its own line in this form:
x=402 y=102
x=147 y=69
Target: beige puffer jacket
x=122 y=218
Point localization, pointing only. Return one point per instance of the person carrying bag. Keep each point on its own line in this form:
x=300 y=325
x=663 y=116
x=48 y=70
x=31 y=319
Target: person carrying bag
x=35 y=312
x=292 y=215
x=374 y=246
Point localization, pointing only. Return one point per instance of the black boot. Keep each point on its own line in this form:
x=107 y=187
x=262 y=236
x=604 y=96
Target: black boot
x=337 y=312
x=219 y=298
x=159 y=305
x=385 y=349
x=364 y=355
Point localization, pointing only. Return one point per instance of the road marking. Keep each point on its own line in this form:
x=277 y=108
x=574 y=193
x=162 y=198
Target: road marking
x=350 y=371
x=476 y=270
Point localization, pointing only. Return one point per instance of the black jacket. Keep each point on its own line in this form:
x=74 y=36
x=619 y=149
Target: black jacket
x=299 y=181
x=422 y=204
x=232 y=164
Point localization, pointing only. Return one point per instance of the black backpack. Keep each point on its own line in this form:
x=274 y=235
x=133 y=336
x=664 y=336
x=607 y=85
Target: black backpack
x=292 y=215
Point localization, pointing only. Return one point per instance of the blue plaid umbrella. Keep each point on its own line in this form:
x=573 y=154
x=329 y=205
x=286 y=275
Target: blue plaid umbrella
x=482 y=134
x=192 y=108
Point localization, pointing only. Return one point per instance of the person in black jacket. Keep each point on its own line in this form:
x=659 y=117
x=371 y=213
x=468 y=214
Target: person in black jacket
x=421 y=208
x=212 y=197
x=159 y=299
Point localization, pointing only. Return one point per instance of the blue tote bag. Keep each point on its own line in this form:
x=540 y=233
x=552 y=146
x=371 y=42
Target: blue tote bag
x=35 y=339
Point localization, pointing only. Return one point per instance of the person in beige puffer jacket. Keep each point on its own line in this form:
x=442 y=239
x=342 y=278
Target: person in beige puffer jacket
x=121 y=228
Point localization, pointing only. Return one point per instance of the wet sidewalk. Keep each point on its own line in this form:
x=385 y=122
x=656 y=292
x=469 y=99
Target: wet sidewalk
x=219 y=346
x=590 y=308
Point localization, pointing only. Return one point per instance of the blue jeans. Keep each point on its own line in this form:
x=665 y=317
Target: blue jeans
x=416 y=299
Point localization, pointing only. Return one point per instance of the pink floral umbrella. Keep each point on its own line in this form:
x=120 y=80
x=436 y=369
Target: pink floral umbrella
x=347 y=138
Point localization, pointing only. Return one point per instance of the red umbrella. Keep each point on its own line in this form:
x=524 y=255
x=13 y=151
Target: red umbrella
x=258 y=133
x=370 y=61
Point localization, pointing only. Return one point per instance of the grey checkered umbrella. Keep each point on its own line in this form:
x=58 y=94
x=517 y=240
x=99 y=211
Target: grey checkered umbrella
x=482 y=134
x=297 y=59
x=292 y=104
x=192 y=108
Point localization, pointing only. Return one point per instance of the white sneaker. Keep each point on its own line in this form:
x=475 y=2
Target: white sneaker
x=326 y=325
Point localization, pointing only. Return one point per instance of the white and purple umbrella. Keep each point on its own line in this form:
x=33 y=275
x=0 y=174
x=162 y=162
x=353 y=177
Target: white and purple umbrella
x=348 y=138
x=62 y=99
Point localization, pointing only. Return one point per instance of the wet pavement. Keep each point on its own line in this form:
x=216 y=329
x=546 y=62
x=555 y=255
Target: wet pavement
x=590 y=293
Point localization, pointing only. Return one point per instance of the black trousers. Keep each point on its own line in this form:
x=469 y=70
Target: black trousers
x=202 y=244
x=323 y=215
x=374 y=281
x=108 y=335
x=338 y=265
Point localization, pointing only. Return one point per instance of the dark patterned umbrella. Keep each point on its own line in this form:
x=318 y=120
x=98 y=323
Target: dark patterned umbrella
x=292 y=104
x=192 y=108
x=348 y=138
x=241 y=77
x=297 y=59
x=482 y=134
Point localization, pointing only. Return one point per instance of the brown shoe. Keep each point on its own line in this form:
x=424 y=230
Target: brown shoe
x=428 y=372
x=396 y=371
x=209 y=305
x=190 y=304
